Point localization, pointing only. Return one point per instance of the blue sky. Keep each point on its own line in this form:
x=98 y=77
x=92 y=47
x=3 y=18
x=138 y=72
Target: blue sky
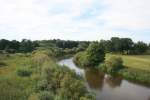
x=75 y=19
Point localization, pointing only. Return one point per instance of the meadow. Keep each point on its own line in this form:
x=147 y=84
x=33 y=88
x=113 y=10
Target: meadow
x=12 y=86
x=141 y=62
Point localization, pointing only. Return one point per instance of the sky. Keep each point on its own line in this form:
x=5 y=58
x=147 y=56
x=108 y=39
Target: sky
x=75 y=19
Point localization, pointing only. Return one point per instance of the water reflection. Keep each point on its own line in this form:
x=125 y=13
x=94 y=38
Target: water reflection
x=113 y=81
x=94 y=78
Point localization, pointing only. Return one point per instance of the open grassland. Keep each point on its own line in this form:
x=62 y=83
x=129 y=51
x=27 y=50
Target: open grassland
x=141 y=62
x=12 y=62
x=12 y=86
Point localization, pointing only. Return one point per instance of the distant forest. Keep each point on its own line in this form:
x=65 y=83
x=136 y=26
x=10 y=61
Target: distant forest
x=114 y=45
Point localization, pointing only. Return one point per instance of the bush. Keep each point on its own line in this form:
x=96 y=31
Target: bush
x=113 y=64
x=24 y=72
x=81 y=60
x=42 y=85
x=46 y=95
x=102 y=67
x=93 y=56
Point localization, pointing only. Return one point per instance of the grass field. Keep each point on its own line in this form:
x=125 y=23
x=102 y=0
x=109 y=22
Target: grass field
x=135 y=61
x=12 y=86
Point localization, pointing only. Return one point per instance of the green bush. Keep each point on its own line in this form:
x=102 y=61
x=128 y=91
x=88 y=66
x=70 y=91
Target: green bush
x=93 y=56
x=113 y=64
x=81 y=60
x=102 y=67
x=42 y=85
x=24 y=72
x=46 y=95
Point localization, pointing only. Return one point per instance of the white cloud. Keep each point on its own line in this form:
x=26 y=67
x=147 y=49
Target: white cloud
x=44 y=19
x=130 y=14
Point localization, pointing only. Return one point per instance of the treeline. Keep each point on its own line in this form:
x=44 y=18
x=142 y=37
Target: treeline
x=124 y=46
x=65 y=43
x=114 y=45
x=15 y=46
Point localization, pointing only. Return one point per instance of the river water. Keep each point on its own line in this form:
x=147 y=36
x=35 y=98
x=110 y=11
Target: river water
x=108 y=87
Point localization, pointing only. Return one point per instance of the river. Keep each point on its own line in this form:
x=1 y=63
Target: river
x=108 y=87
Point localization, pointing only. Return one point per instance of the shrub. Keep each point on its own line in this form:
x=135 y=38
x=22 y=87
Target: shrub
x=91 y=57
x=102 y=67
x=81 y=60
x=24 y=72
x=113 y=64
x=46 y=95
x=42 y=85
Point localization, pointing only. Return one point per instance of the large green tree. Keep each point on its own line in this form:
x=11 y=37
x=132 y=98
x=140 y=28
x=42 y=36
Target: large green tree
x=26 y=46
x=140 y=47
x=95 y=53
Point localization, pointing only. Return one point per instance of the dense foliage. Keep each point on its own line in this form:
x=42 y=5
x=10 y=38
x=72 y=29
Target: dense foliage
x=124 y=46
x=91 y=57
x=36 y=76
x=114 y=45
x=60 y=82
x=65 y=43
x=113 y=64
x=95 y=54
x=16 y=46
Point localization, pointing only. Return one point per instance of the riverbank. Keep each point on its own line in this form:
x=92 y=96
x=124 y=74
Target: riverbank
x=37 y=76
x=136 y=68
x=107 y=87
x=141 y=62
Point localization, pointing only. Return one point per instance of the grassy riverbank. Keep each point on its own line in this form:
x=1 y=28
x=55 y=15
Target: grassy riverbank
x=36 y=76
x=135 y=67
x=14 y=87
x=141 y=62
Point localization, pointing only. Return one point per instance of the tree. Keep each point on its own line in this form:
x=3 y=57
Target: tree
x=126 y=45
x=140 y=47
x=4 y=44
x=95 y=53
x=116 y=43
x=107 y=45
x=83 y=45
x=26 y=46
x=121 y=45
x=15 y=45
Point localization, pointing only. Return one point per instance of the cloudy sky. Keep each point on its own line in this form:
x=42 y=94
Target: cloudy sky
x=75 y=19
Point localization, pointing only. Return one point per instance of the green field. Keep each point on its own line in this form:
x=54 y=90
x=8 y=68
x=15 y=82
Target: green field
x=12 y=86
x=135 y=61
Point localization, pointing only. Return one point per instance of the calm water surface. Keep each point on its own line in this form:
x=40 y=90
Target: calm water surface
x=108 y=87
